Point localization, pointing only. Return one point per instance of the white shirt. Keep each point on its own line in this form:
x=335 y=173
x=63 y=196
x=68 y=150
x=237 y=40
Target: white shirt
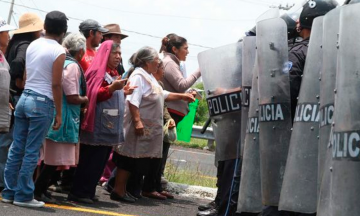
x=143 y=87
x=40 y=56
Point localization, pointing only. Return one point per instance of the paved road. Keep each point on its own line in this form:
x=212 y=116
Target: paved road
x=199 y=160
x=193 y=159
x=179 y=206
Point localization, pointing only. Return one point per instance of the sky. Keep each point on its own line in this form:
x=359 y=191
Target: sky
x=204 y=23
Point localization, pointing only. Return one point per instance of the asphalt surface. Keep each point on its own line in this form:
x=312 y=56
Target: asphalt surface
x=193 y=159
x=180 y=206
x=184 y=158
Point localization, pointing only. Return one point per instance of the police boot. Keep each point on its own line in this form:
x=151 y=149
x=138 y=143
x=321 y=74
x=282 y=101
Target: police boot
x=207 y=206
x=210 y=212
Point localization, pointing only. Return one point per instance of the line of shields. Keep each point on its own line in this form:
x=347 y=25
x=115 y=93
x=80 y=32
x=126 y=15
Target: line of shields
x=307 y=164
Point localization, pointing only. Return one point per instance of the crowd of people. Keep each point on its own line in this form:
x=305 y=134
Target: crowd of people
x=72 y=116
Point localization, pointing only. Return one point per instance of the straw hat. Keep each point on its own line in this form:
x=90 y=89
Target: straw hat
x=29 y=22
x=114 y=29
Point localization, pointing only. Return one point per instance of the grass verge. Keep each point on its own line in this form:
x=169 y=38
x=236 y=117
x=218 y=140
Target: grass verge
x=194 y=143
x=185 y=175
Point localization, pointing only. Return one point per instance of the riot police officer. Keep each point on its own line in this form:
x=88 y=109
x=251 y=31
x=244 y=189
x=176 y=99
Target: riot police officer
x=297 y=53
x=297 y=58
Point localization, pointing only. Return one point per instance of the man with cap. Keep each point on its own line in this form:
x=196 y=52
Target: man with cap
x=93 y=33
x=4 y=95
x=115 y=35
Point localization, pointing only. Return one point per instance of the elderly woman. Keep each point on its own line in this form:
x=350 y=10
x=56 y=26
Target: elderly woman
x=61 y=147
x=143 y=122
x=102 y=127
x=152 y=187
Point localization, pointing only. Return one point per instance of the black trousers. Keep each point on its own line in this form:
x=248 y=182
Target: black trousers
x=92 y=161
x=228 y=186
x=152 y=181
x=43 y=181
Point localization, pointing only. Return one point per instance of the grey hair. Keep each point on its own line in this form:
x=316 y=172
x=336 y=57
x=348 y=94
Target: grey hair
x=144 y=55
x=74 y=42
x=114 y=46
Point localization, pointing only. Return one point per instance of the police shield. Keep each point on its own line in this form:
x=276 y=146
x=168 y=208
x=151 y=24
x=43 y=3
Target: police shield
x=327 y=86
x=345 y=173
x=274 y=106
x=5 y=112
x=299 y=189
x=221 y=73
x=250 y=185
x=247 y=67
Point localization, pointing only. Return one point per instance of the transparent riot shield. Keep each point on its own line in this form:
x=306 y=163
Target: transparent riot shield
x=299 y=189
x=249 y=48
x=345 y=172
x=250 y=185
x=274 y=106
x=269 y=14
x=327 y=86
x=221 y=70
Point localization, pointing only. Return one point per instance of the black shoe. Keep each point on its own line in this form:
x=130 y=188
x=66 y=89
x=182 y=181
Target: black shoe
x=107 y=188
x=210 y=212
x=95 y=198
x=135 y=196
x=130 y=195
x=46 y=198
x=72 y=197
x=208 y=206
x=126 y=198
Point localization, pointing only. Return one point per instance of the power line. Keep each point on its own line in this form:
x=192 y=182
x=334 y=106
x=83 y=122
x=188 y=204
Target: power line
x=34 y=4
x=161 y=15
x=74 y=18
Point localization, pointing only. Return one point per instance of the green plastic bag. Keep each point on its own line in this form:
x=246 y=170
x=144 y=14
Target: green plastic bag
x=184 y=127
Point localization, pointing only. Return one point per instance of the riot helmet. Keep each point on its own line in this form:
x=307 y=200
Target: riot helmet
x=291 y=16
x=313 y=9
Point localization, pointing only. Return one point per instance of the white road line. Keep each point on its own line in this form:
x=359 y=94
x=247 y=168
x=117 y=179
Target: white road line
x=179 y=160
x=192 y=152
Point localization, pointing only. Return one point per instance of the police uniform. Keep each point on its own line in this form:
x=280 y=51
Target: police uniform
x=297 y=57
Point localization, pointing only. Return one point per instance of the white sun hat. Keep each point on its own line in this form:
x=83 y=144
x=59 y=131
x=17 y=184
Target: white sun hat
x=4 y=26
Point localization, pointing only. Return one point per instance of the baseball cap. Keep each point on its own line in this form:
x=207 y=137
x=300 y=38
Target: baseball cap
x=4 y=26
x=90 y=24
x=56 y=18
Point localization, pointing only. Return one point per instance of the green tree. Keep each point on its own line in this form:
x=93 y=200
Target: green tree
x=202 y=113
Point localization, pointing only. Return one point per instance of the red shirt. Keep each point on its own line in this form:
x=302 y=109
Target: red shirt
x=104 y=93
x=87 y=59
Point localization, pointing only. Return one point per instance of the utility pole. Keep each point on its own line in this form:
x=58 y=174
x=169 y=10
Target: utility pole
x=11 y=11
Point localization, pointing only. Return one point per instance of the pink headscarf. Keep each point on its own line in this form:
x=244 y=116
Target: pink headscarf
x=94 y=76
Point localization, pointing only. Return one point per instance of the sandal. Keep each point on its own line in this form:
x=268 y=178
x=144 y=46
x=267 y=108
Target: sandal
x=154 y=195
x=167 y=194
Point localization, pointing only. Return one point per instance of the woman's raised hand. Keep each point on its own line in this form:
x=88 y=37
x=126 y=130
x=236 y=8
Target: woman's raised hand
x=117 y=84
x=128 y=90
x=188 y=97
